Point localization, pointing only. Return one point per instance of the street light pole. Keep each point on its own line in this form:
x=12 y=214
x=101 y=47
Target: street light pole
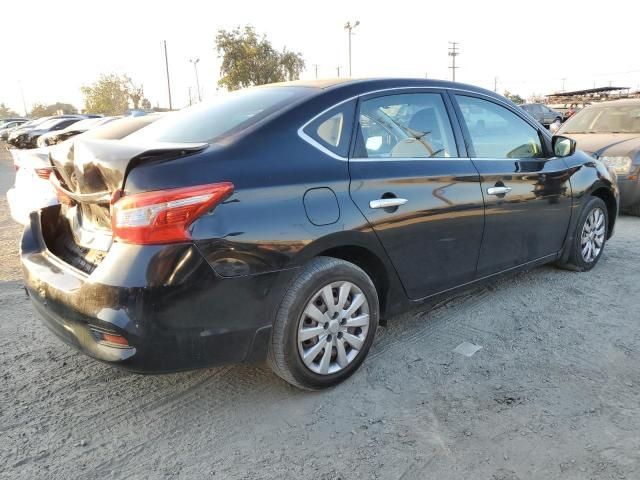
x=349 y=27
x=195 y=67
x=24 y=104
x=166 y=64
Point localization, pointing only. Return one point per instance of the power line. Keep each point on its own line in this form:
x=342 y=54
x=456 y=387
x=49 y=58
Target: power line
x=453 y=53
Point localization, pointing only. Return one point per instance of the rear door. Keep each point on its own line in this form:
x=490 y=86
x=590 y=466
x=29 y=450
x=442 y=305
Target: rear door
x=526 y=190
x=411 y=179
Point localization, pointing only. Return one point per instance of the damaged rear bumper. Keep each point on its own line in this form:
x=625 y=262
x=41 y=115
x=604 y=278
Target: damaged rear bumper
x=164 y=304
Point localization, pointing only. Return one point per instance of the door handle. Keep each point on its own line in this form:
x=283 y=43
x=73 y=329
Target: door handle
x=498 y=190
x=387 y=202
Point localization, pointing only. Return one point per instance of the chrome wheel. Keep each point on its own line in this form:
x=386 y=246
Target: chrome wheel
x=592 y=238
x=333 y=328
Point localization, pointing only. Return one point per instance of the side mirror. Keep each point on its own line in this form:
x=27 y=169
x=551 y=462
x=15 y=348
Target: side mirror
x=563 y=146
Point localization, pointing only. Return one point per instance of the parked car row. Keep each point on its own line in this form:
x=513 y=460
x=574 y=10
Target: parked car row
x=7 y=125
x=56 y=136
x=26 y=136
x=32 y=189
x=284 y=222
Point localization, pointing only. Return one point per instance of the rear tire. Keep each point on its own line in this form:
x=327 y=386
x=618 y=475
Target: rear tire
x=589 y=237
x=325 y=324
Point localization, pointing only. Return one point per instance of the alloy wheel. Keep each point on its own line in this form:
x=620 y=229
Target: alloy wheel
x=333 y=327
x=592 y=238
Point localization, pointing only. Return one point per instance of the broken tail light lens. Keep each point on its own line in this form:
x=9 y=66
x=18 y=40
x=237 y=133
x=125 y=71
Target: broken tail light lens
x=43 y=173
x=163 y=216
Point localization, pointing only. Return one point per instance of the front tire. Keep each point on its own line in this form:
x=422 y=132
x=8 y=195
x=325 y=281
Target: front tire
x=589 y=237
x=325 y=324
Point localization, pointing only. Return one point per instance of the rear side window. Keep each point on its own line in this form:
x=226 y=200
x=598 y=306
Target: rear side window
x=414 y=125
x=332 y=129
x=226 y=115
x=497 y=132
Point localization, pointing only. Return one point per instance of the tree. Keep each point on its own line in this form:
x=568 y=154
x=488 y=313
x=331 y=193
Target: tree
x=248 y=59
x=42 y=110
x=7 y=112
x=517 y=99
x=113 y=94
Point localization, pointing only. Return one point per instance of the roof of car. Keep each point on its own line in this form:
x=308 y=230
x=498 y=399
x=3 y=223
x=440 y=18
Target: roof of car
x=382 y=83
x=623 y=102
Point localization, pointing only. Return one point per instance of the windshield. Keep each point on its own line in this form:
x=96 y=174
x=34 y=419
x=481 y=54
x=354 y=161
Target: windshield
x=227 y=114
x=609 y=119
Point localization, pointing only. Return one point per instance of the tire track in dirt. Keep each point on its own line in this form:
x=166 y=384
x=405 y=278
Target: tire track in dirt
x=441 y=322
x=209 y=403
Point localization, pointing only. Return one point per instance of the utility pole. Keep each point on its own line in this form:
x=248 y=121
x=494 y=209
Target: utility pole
x=453 y=53
x=349 y=29
x=316 y=67
x=338 y=70
x=195 y=68
x=190 y=101
x=166 y=64
x=495 y=84
x=563 y=80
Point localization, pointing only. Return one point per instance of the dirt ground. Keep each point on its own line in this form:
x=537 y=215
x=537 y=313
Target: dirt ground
x=554 y=393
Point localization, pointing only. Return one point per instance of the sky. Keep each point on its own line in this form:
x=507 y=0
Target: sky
x=51 y=49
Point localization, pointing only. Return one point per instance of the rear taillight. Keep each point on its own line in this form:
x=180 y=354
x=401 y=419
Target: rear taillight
x=62 y=197
x=163 y=216
x=43 y=173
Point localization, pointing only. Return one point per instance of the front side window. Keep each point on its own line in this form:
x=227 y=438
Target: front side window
x=497 y=132
x=412 y=125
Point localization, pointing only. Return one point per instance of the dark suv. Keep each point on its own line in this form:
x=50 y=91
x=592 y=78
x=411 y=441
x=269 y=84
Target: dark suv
x=284 y=222
x=542 y=113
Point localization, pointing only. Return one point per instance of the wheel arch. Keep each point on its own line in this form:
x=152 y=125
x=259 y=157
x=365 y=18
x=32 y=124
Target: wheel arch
x=607 y=196
x=363 y=250
x=370 y=263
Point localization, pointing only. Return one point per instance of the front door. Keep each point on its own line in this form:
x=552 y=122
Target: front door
x=526 y=190
x=421 y=196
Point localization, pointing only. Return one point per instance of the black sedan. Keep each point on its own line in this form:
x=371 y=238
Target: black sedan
x=285 y=222
x=611 y=132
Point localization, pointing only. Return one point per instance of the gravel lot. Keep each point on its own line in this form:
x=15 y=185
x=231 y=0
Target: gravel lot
x=553 y=393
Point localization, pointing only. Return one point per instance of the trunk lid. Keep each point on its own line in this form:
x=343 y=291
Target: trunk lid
x=88 y=172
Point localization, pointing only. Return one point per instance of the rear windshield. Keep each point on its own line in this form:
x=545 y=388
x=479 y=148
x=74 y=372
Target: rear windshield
x=610 y=119
x=226 y=115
